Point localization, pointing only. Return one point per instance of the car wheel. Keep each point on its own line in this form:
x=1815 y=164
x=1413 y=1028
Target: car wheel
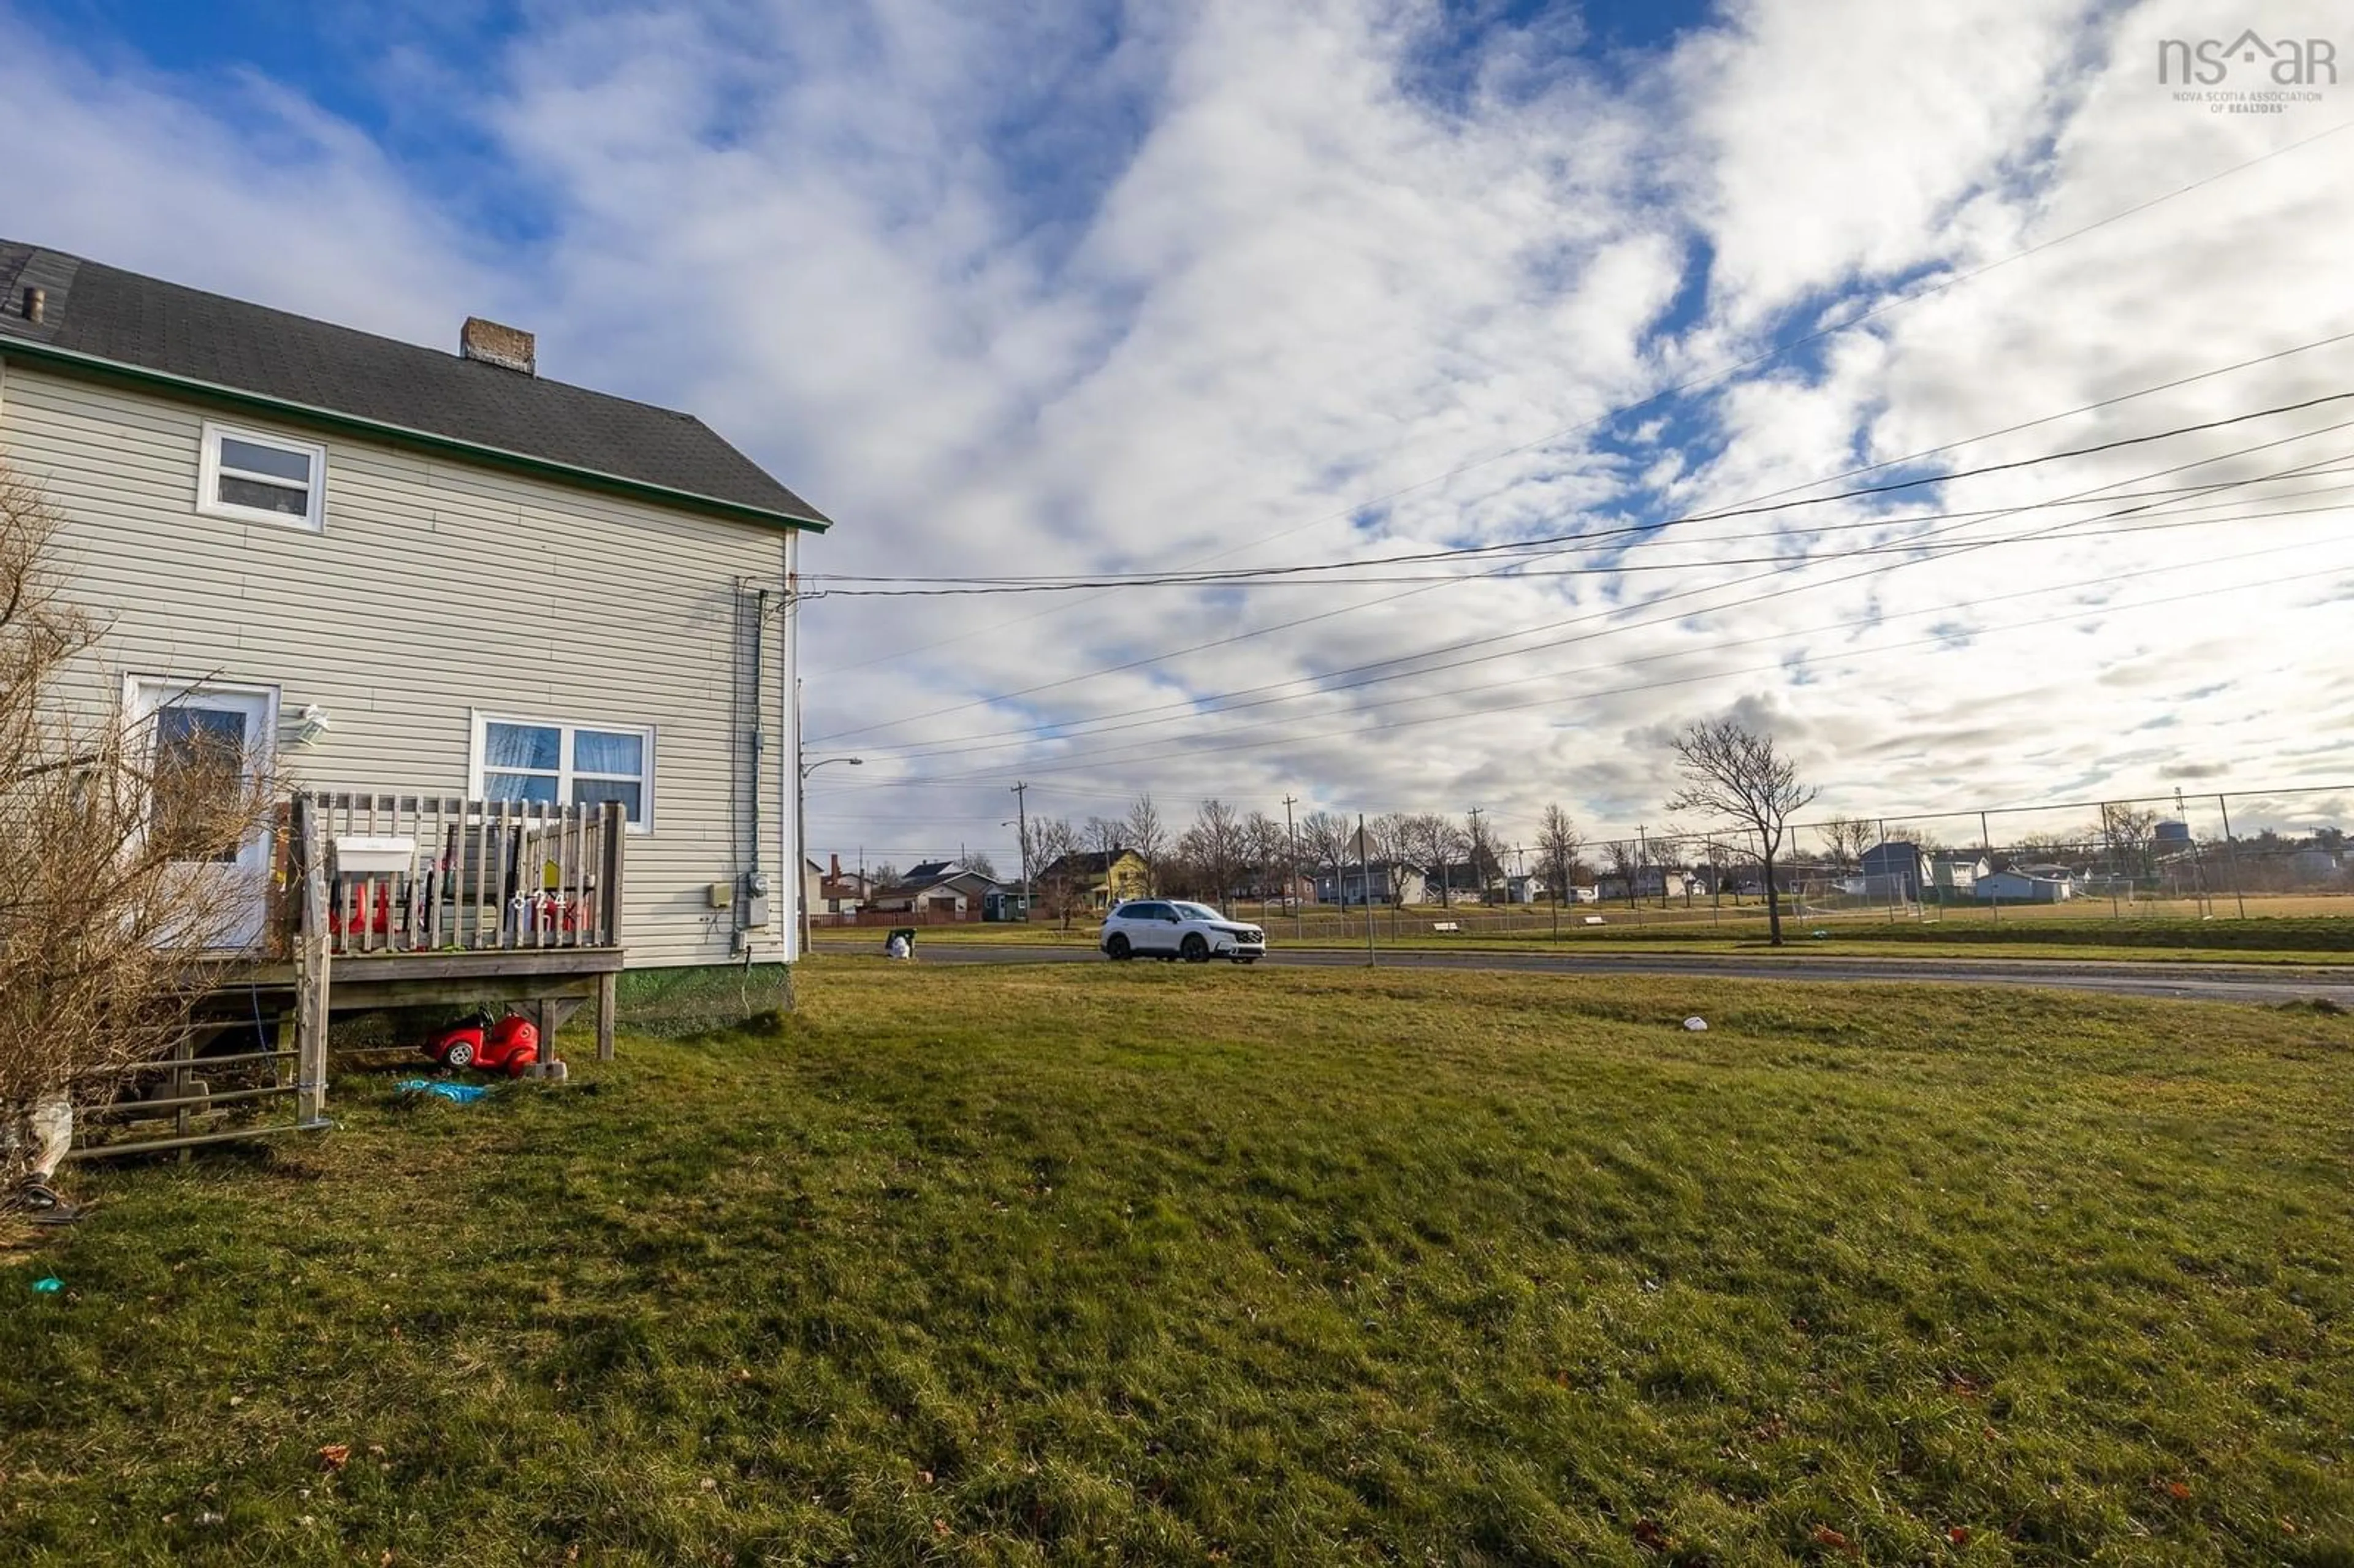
x=459 y=1057
x=1117 y=948
x=1195 y=949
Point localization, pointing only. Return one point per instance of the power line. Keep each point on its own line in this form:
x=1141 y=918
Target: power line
x=1321 y=681
x=1294 y=622
x=1889 y=547
x=1361 y=730
x=1054 y=585
x=1865 y=621
x=1742 y=603
x=1027 y=585
x=1691 y=384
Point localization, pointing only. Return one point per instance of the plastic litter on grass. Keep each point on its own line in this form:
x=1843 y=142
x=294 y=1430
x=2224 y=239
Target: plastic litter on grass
x=457 y=1093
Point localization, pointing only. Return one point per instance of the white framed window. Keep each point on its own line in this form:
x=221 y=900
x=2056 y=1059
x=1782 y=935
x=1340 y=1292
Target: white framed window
x=256 y=478
x=552 y=761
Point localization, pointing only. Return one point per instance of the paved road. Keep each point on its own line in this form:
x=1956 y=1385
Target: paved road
x=2206 y=983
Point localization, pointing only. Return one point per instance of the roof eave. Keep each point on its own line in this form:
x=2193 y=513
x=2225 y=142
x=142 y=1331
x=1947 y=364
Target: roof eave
x=95 y=367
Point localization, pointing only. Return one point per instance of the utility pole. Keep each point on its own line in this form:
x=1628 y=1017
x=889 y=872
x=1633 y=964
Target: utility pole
x=1477 y=843
x=1291 y=870
x=1364 y=878
x=1022 y=819
x=1986 y=843
x=1643 y=854
x=2232 y=852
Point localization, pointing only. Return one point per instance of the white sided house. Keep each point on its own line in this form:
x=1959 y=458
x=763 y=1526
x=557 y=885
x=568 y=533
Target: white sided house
x=2036 y=885
x=434 y=579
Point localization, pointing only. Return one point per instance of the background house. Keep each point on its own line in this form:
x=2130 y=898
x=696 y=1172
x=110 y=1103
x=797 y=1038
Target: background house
x=843 y=891
x=813 y=884
x=1097 y=878
x=2314 y=865
x=1897 y=868
x=1954 y=873
x=938 y=890
x=1459 y=883
x=1383 y=881
x=1651 y=882
x=2042 y=885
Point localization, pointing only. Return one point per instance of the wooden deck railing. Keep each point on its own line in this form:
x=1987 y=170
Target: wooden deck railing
x=430 y=874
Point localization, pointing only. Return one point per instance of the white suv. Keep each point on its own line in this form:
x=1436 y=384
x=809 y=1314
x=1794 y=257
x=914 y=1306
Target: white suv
x=1164 y=928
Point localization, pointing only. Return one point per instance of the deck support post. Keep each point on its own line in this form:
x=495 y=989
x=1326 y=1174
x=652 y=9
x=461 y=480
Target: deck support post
x=312 y=956
x=609 y=1000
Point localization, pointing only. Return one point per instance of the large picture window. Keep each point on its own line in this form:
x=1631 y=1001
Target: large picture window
x=551 y=762
x=256 y=478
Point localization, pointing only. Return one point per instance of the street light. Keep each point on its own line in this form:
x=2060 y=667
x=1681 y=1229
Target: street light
x=800 y=838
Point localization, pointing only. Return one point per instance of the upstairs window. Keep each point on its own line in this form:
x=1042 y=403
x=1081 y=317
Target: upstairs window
x=585 y=765
x=254 y=478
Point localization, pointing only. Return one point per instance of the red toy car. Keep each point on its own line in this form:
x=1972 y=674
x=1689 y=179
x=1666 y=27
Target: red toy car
x=508 y=1045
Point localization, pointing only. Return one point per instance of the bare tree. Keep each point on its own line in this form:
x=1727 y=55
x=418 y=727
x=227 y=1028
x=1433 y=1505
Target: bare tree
x=1216 y=845
x=1448 y=850
x=1054 y=843
x=1666 y=856
x=1557 y=847
x=978 y=862
x=2128 y=834
x=1844 y=840
x=1385 y=845
x=1148 y=835
x=1330 y=839
x=1736 y=776
x=1479 y=853
x=1625 y=858
x=1268 y=851
x=1104 y=837
x=117 y=850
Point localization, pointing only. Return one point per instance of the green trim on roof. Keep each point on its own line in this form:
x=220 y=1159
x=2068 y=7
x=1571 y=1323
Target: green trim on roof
x=91 y=367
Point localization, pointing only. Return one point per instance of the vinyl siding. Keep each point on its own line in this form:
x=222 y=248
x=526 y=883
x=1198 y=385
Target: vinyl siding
x=436 y=588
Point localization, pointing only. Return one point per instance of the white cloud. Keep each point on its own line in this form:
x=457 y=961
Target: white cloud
x=1068 y=289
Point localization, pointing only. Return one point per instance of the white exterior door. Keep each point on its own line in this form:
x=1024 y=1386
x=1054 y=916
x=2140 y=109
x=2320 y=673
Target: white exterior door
x=186 y=729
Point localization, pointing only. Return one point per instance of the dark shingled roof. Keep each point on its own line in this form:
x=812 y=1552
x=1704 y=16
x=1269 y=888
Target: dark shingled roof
x=148 y=325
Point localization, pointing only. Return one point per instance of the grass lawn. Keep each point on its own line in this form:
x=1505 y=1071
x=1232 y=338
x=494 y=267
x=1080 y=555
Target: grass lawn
x=1141 y=1264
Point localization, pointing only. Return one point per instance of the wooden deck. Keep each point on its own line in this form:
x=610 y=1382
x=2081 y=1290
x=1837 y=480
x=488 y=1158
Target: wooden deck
x=388 y=901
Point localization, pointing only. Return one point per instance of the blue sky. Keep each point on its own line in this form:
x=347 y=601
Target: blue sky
x=1088 y=287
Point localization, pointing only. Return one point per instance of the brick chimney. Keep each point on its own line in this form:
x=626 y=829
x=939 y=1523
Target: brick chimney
x=509 y=348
